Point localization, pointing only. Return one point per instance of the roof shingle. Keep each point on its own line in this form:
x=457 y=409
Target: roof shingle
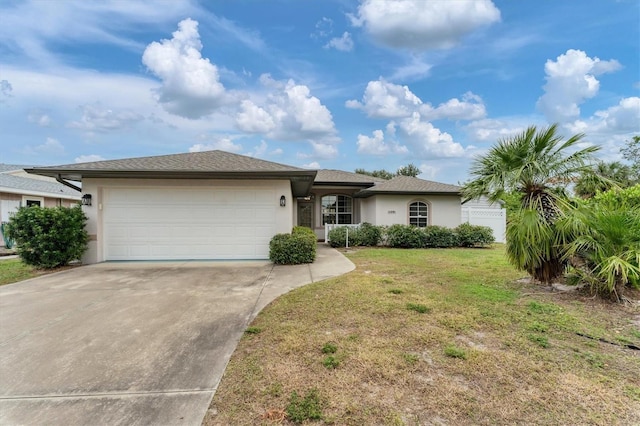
x=409 y=185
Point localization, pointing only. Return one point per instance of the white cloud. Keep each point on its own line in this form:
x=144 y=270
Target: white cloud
x=377 y=145
x=421 y=25
x=571 y=79
x=89 y=158
x=312 y=165
x=491 y=130
x=382 y=99
x=191 y=84
x=427 y=141
x=321 y=151
x=258 y=150
x=289 y=112
x=216 y=142
x=415 y=69
x=621 y=119
x=40 y=118
x=324 y=28
x=470 y=108
x=96 y=118
x=50 y=147
x=343 y=43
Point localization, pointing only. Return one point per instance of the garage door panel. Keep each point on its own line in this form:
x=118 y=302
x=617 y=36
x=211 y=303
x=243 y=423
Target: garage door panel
x=188 y=223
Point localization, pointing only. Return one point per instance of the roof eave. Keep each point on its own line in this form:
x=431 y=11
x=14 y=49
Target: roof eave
x=366 y=194
x=301 y=180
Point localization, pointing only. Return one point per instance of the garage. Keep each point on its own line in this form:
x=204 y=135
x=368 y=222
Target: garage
x=210 y=205
x=188 y=223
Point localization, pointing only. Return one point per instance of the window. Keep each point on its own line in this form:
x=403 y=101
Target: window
x=29 y=201
x=337 y=209
x=418 y=214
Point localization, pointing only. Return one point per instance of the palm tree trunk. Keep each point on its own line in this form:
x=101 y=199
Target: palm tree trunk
x=549 y=271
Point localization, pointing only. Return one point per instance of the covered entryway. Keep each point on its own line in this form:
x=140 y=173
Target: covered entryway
x=158 y=223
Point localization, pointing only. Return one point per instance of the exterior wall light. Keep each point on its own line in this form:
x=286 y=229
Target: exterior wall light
x=283 y=201
x=86 y=200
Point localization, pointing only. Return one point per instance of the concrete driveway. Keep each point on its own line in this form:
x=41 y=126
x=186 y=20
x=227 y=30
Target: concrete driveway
x=132 y=343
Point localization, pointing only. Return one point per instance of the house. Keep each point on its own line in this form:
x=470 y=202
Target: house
x=219 y=205
x=18 y=188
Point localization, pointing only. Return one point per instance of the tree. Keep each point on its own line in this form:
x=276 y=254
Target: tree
x=533 y=163
x=603 y=177
x=631 y=152
x=383 y=174
x=408 y=170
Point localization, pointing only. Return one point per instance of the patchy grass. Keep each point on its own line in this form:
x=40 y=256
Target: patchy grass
x=13 y=270
x=523 y=361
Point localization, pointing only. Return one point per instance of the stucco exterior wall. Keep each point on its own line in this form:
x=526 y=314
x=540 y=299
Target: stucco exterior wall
x=444 y=210
x=95 y=187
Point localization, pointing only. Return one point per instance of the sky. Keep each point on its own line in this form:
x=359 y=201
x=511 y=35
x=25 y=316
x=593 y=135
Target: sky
x=334 y=84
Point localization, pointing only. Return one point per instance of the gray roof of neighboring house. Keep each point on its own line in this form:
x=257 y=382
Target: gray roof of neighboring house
x=23 y=185
x=409 y=185
x=13 y=167
x=194 y=165
x=339 y=177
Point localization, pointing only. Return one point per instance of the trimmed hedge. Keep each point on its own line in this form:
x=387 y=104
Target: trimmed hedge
x=474 y=235
x=408 y=236
x=293 y=249
x=364 y=235
x=48 y=237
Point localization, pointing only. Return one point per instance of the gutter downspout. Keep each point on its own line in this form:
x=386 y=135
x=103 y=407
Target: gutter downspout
x=69 y=184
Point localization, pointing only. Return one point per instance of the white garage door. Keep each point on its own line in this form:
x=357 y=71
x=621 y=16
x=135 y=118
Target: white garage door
x=188 y=223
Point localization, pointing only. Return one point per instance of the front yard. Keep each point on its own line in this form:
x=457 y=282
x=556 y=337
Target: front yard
x=434 y=337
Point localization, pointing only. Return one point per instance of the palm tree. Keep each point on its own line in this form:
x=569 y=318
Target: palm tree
x=603 y=177
x=535 y=163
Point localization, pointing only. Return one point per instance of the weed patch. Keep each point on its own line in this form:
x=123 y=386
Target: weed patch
x=453 y=351
x=253 y=330
x=329 y=348
x=418 y=307
x=308 y=407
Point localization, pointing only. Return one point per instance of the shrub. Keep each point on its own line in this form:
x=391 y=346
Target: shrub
x=49 y=237
x=338 y=236
x=405 y=236
x=293 y=249
x=474 y=235
x=369 y=234
x=439 y=236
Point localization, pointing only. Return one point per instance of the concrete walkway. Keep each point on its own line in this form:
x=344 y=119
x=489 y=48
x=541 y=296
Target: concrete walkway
x=135 y=343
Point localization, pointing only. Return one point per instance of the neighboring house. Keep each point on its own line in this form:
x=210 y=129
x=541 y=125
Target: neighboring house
x=218 y=205
x=18 y=188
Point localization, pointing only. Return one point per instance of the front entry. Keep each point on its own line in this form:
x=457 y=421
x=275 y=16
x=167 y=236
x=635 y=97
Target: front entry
x=305 y=214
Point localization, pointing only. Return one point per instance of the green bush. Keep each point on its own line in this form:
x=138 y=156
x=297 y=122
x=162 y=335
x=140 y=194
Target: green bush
x=405 y=236
x=439 y=236
x=338 y=236
x=369 y=234
x=474 y=235
x=293 y=249
x=49 y=237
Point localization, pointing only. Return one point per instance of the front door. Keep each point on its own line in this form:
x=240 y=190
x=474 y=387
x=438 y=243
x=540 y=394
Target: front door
x=305 y=214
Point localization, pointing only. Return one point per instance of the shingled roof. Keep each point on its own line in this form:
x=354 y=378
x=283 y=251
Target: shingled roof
x=409 y=185
x=194 y=165
x=27 y=186
x=339 y=177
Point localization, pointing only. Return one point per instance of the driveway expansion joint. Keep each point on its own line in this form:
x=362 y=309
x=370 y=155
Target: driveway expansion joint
x=108 y=394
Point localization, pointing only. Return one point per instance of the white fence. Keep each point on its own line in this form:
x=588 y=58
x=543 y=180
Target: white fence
x=494 y=218
x=329 y=227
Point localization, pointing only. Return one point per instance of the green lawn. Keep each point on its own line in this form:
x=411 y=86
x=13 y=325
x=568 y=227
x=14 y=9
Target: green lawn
x=434 y=337
x=13 y=270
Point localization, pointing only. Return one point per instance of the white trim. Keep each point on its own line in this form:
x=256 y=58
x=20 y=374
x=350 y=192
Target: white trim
x=26 y=198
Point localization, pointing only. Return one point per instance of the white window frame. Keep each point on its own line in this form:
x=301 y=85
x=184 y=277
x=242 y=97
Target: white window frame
x=422 y=221
x=26 y=198
x=337 y=213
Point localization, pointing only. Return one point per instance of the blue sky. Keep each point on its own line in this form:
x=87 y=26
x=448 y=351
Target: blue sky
x=320 y=84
